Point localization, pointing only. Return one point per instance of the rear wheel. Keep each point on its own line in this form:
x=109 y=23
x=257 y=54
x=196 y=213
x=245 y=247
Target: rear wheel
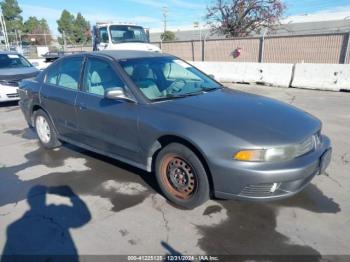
x=45 y=130
x=181 y=176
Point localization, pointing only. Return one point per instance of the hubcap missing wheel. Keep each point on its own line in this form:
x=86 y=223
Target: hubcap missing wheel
x=179 y=177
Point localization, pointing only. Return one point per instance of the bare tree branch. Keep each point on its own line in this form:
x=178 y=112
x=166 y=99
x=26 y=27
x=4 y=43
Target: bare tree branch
x=237 y=18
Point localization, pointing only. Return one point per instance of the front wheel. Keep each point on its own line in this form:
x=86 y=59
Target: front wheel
x=45 y=130
x=182 y=176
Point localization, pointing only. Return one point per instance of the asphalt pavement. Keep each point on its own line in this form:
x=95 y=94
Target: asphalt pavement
x=86 y=204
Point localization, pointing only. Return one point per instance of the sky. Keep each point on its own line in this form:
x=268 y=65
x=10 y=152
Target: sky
x=181 y=13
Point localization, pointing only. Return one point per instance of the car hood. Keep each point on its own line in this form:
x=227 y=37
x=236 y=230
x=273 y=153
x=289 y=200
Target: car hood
x=18 y=74
x=258 y=120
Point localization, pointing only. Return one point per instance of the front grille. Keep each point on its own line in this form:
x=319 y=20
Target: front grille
x=10 y=83
x=260 y=190
x=13 y=95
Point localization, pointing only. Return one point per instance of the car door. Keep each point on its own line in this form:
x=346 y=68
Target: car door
x=58 y=94
x=105 y=124
x=103 y=38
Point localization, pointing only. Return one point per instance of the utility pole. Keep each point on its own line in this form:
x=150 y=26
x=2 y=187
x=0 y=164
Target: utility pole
x=64 y=40
x=45 y=37
x=4 y=31
x=165 y=17
x=198 y=25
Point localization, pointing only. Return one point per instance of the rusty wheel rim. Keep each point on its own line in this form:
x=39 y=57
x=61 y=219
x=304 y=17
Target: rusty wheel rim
x=178 y=176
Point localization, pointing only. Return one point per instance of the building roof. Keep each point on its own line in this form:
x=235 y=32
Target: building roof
x=8 y=53
x=324 y=27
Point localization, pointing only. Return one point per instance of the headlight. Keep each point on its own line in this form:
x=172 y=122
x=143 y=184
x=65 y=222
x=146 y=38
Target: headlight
x=277 y=153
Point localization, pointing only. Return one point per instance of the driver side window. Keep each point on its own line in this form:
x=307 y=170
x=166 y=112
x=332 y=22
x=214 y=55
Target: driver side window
x=103 y=35
x=100 y=76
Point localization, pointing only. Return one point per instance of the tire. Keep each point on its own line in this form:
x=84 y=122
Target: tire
x=181 y=176
x=45 y=130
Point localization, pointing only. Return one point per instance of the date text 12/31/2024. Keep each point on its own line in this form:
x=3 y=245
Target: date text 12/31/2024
x=174 y=258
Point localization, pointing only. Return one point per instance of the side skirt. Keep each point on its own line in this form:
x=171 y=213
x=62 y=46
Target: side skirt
x=84 y=146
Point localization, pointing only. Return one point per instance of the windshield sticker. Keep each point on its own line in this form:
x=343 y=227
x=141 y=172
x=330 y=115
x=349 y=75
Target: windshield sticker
x=182 y=63
x=13 y=56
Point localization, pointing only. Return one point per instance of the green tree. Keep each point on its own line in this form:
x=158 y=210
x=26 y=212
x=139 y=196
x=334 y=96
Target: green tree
x=82 y=32
x=168 y=36
x=76 y=30
x=31 y=24
x=66 y=27
x=13 y=19
x=35 y=29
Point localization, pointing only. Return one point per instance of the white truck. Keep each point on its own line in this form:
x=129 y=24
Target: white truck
x=121 y=36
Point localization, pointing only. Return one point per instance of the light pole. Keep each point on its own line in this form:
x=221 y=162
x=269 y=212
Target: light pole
x=198 y=25
x=4 y=31
x=165 y=17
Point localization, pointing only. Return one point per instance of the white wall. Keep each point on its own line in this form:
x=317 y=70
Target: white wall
x=322 y=76
x=332 y=77
x=268 y=74
x=310 y=76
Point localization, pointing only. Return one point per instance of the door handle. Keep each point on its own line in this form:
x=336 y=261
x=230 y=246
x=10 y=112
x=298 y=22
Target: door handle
x=82 y=107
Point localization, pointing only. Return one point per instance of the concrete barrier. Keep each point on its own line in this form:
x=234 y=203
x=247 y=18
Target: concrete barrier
x=41 y=64
x=268 y=74
x=322 y=76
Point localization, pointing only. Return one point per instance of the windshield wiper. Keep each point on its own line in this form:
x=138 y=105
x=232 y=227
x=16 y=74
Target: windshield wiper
x=174 y=96
x=208 y=89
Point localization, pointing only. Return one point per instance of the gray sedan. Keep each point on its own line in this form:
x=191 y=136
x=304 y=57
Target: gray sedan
x=160 y=114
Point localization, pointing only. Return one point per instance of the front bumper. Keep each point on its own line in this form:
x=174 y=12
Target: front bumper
x=269 y=181
x=8 y=93
x=9 y=97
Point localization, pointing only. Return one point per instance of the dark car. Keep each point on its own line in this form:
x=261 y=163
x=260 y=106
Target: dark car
x=160 y=114
x=13 y=69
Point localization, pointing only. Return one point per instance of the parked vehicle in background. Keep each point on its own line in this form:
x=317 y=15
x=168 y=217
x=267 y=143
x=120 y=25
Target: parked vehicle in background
x=161 y=114
x=13 y=69
x=121 y=36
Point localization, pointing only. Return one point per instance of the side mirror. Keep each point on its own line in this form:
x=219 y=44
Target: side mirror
x=211 y=76
x=148 y=35
x=36 y=64
x=96 y=34
x=117 y=93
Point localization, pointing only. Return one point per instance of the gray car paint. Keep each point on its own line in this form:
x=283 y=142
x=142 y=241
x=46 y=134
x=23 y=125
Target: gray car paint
x=216 y=124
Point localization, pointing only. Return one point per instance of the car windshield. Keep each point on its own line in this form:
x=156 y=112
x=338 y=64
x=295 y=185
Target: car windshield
x=123 y=33
x=13 y=61
x=162 y=78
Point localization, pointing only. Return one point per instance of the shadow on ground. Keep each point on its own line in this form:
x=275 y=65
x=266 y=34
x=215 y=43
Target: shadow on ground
x=11 y=105
x=99 y=170
x=42 y=233
x=250 y=228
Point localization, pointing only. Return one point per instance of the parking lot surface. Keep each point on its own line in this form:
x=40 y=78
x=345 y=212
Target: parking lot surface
x=84 y=203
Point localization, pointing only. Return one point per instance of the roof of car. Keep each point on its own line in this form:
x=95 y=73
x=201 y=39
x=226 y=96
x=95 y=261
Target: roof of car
x=129 y=54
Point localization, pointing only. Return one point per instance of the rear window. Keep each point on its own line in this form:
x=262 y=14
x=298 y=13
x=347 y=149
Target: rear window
x=66 y=73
